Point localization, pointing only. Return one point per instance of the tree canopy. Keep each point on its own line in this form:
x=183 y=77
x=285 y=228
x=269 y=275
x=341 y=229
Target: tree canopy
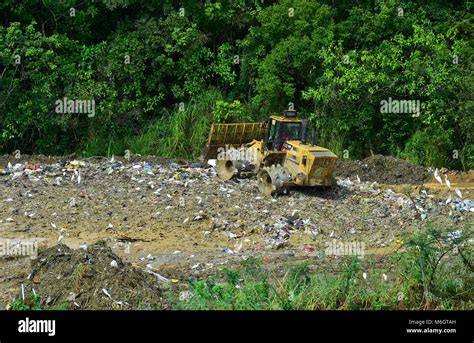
x=161 y=71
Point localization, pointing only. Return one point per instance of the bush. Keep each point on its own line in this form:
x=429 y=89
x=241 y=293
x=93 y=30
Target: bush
x=429 y=147
x=437 y=269
x=229 y=112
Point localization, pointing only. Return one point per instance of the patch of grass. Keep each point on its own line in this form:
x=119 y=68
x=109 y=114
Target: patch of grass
x=244 y=288
x=428 y=274
x=33 y=303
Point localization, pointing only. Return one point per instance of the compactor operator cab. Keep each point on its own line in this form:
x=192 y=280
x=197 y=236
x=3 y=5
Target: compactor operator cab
x=280 y=129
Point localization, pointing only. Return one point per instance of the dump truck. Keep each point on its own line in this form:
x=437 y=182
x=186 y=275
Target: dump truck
x=276 y=150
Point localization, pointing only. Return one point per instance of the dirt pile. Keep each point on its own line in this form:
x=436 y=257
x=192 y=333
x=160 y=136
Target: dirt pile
x=383 y=169
x=92 y=277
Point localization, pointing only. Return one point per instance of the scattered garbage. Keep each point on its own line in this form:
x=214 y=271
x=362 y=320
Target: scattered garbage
x=74 y=165
x=282 y=227
x=176 y=215
x=465 y=205
x=147 y=168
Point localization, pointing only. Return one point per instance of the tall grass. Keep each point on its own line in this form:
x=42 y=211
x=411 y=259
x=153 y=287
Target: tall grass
x=103 y=146
x=184 y=132
x=180 y=133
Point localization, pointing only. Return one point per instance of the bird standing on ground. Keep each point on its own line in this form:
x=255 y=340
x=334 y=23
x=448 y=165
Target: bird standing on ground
x=448 y=183
x=437 y=177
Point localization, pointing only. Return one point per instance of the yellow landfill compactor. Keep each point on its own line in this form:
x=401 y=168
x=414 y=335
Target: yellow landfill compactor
x=276 y=150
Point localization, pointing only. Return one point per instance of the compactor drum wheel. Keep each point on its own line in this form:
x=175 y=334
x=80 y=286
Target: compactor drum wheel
x=273 y=180
x=226 y=169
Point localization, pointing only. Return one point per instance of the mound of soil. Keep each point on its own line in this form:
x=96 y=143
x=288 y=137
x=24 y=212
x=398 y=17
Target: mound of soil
x=383 y=169
x=89 y=279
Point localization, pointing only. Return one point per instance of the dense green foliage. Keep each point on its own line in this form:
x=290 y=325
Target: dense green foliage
x=159 y=70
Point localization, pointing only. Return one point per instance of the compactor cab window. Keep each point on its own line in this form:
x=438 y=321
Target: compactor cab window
x=280 y=132
x=291 y=131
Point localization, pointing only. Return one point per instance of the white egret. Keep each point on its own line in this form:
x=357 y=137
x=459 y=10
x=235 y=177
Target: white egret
x=448 y=183
x=437 y=177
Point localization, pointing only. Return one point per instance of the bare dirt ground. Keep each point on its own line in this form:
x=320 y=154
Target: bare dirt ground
x=174 y=220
